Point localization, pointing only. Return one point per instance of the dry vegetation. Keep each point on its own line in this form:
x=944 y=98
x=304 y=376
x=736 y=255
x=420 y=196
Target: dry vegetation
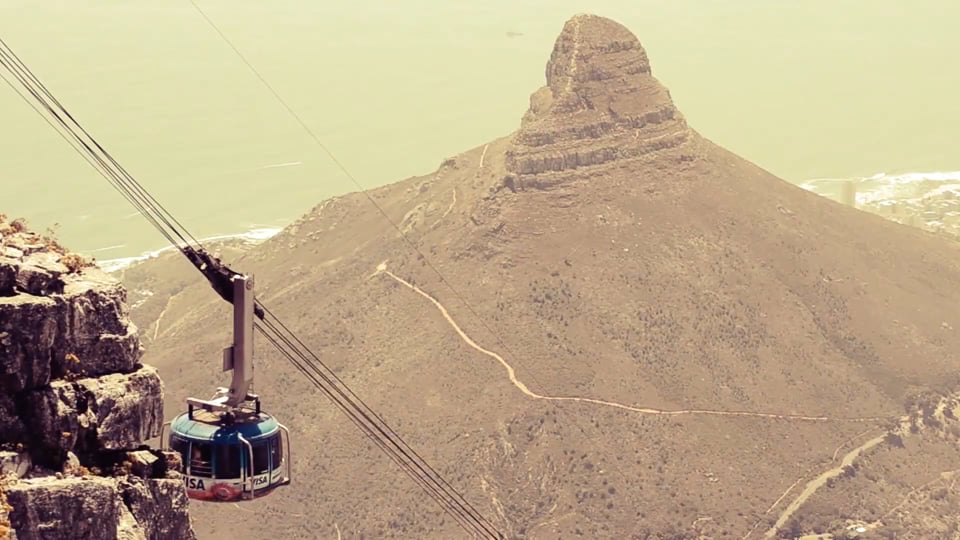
x=17 y=231
x=905 y=488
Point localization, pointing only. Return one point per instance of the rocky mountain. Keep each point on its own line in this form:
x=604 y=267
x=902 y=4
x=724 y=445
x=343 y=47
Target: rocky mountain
x=76 y=403
x=602 y=325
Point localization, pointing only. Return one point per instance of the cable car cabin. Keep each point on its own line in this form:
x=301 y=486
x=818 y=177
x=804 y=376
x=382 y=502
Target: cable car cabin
x=226 y=457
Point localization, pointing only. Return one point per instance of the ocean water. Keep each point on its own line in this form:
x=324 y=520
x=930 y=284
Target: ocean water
x=814 y=89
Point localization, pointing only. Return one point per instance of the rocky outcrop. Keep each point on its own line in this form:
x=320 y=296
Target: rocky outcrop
x=76 y=404
x=96 y=507
x=601 y=106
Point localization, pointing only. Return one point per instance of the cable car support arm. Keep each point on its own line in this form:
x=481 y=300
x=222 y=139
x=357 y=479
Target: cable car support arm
x=239 y=356
x=220 y=276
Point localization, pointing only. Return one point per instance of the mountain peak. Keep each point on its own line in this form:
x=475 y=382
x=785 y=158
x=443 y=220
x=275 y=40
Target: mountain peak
x=601 y=103
x=593 y=49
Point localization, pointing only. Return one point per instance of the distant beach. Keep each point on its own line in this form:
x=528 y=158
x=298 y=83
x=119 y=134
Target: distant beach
x=251 y=237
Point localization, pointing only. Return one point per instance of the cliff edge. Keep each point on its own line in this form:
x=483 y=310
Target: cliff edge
x=76 y=404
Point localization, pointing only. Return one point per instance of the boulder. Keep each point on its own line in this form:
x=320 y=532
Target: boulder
x=111 y=412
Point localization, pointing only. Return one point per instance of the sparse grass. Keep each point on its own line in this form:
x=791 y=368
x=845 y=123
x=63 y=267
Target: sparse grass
x=879 y=487
x=73 y=367
x=74 y=262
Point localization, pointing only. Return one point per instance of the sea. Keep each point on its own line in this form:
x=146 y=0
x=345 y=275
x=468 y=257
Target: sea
x=813 y=91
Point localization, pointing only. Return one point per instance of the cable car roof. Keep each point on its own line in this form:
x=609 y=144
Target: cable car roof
x=252 y=427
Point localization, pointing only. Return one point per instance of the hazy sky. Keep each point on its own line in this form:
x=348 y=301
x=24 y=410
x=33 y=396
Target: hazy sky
x=803 y=88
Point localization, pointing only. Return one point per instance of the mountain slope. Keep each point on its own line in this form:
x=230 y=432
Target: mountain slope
x=724 y=333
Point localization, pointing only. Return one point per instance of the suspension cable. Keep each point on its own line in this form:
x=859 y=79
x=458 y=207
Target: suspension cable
x=363 y=410
x=369 y=422
x=158 y=208
x=451 y=501
x=8 y=62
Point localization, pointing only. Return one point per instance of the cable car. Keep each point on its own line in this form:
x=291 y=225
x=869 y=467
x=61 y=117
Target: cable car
x=232 y=450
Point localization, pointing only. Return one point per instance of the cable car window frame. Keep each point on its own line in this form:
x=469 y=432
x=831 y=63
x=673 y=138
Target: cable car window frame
x=261 y=457
x=203 y=465
x=181 y=446
x=228 y=462
x=276 y=451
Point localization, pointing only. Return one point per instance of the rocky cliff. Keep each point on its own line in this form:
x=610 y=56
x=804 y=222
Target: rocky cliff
x=76 y=404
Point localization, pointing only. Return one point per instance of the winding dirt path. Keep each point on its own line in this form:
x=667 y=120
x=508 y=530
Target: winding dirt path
x=156 y=326
x=511 y=373
x=818 y=482
x=941 y=478
x=452 y=204
x=783 y=496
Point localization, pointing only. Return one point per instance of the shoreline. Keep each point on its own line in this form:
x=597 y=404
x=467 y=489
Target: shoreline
x=251 y=237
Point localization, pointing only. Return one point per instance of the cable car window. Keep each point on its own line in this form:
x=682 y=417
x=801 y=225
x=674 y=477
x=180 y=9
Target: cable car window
x=261 y=457
x=228 y=460
x=276 y=452
x=200 y=462
x=180 y=446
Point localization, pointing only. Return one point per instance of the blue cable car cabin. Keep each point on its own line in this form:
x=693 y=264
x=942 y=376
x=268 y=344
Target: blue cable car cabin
x=230 y=450
x=240 y=455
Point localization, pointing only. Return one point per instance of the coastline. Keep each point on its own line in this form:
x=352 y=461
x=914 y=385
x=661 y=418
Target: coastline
x=251 y=237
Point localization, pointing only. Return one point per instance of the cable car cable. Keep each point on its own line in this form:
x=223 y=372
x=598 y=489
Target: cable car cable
x=164 y=215
x=355 y=416
x=96 y=162
x=462 y=512
x=382 y=427
x=210 y=267
x=389 y=432
x=385 y=430
x=449 y=507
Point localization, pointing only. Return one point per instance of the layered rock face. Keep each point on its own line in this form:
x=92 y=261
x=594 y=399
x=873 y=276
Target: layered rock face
x=601 y=106
x=76 y=404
